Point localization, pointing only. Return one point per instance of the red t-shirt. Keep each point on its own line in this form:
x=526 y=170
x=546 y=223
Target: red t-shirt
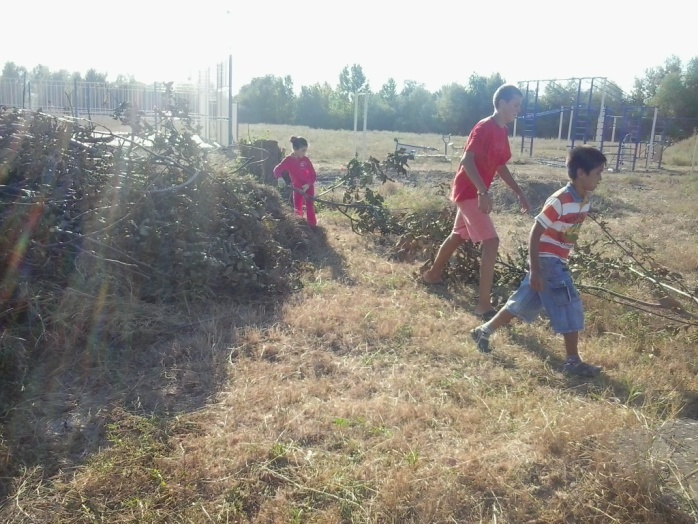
x=300 y=170
x=489 y=142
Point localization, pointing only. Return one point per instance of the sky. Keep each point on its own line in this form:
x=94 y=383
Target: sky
x=433 y=44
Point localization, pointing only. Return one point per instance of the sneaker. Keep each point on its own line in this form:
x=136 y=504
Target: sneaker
x=581 y=369
x=481 y=339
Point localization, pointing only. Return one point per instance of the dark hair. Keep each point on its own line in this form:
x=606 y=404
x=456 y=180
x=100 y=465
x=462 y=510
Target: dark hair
x=505 y=92
x=298 y=142
x=586 y=158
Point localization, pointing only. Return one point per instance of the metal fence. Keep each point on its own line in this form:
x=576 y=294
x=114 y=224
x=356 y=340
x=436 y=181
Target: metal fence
x=209 y=101
x=80 y=98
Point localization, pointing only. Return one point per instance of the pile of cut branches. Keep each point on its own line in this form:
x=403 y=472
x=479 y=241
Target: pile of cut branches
x=139 y=217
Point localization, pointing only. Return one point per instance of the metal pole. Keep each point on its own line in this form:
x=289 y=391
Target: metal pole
x=588 y=113
x=155 y=102
x=87 y=98
x=613 y=131
x=602 y=114
x=573 y=123
x=559 y=129
x=24 y=88
x=356 y=122
x=230 y=100
x=75 y=97
x=650 y=145
x=695 y=149
x=569 y=126
x=365 y=121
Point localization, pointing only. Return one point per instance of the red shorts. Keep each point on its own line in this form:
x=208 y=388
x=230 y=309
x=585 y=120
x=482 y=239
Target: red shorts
x=471 y=223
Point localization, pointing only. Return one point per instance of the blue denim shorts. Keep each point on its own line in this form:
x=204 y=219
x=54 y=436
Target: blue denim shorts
x=559 y=298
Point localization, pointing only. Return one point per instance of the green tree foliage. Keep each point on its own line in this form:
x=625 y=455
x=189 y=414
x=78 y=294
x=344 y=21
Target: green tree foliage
x=62 y=75
x=352 y=80
x=93 y=75
x=313 y=106
x=268 y=99
x=416 y=109
x=11 y=71
x=383 y=107
x=381 y=114
x=451 y=107
x=388 y=92
x=480 y=91
x=646 y=88
x=40 y=73
x=673 y=88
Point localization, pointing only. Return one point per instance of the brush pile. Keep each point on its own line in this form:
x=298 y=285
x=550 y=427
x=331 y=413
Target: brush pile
x=140 y=217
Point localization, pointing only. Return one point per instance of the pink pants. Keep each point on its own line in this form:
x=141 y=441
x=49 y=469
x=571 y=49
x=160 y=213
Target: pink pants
x=299 y=199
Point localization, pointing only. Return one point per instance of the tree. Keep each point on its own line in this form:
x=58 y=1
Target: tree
x=646 y=88
x=416 y=109
x=60 y=76
x=12 y=71
x=352 y=81
x=389 y=92
x=313 y=106
x=691 y=89
x=381 y=114
x=268 y=99
x=40 y=73
x=451 y=108
x=670 y=95
x=93 y=76
x=480 y=92
x=125 y=80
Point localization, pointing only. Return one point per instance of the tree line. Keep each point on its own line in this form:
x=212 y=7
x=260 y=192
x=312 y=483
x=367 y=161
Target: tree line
x=456 y=108
x=453 y=109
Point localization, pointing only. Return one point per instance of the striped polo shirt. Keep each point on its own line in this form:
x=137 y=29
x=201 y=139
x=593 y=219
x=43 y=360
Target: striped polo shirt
x=562 y=216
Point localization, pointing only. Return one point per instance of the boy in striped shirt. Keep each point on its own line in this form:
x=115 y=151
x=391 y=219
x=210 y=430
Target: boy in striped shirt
x=548 y=285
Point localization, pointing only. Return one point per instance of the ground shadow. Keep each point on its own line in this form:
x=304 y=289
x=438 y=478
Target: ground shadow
x=460 y=294
x=321 y=254
x=626 y=393
x=175 y=365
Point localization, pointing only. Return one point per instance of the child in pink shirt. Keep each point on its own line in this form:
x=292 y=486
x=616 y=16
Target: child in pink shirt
x=302 y=174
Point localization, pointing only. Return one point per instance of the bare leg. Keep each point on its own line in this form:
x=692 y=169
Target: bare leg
x=487 y=261
x=502 y=318
x=449 y=246
x=571 y=344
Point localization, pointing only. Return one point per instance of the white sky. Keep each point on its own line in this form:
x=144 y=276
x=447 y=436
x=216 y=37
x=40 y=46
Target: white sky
x=312 y=40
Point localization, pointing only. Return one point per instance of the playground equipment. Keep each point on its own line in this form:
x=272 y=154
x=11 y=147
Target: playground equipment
x=415 y=151
x=595 y=111
x=576 y=97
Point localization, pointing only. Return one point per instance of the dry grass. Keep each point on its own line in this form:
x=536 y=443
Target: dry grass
x=360 y=399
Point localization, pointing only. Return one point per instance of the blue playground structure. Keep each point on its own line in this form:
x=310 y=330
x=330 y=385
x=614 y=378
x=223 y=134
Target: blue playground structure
x=592 y=110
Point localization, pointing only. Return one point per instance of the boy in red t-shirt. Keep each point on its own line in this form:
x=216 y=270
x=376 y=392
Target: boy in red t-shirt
x=302 y=176
x=485 y=155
